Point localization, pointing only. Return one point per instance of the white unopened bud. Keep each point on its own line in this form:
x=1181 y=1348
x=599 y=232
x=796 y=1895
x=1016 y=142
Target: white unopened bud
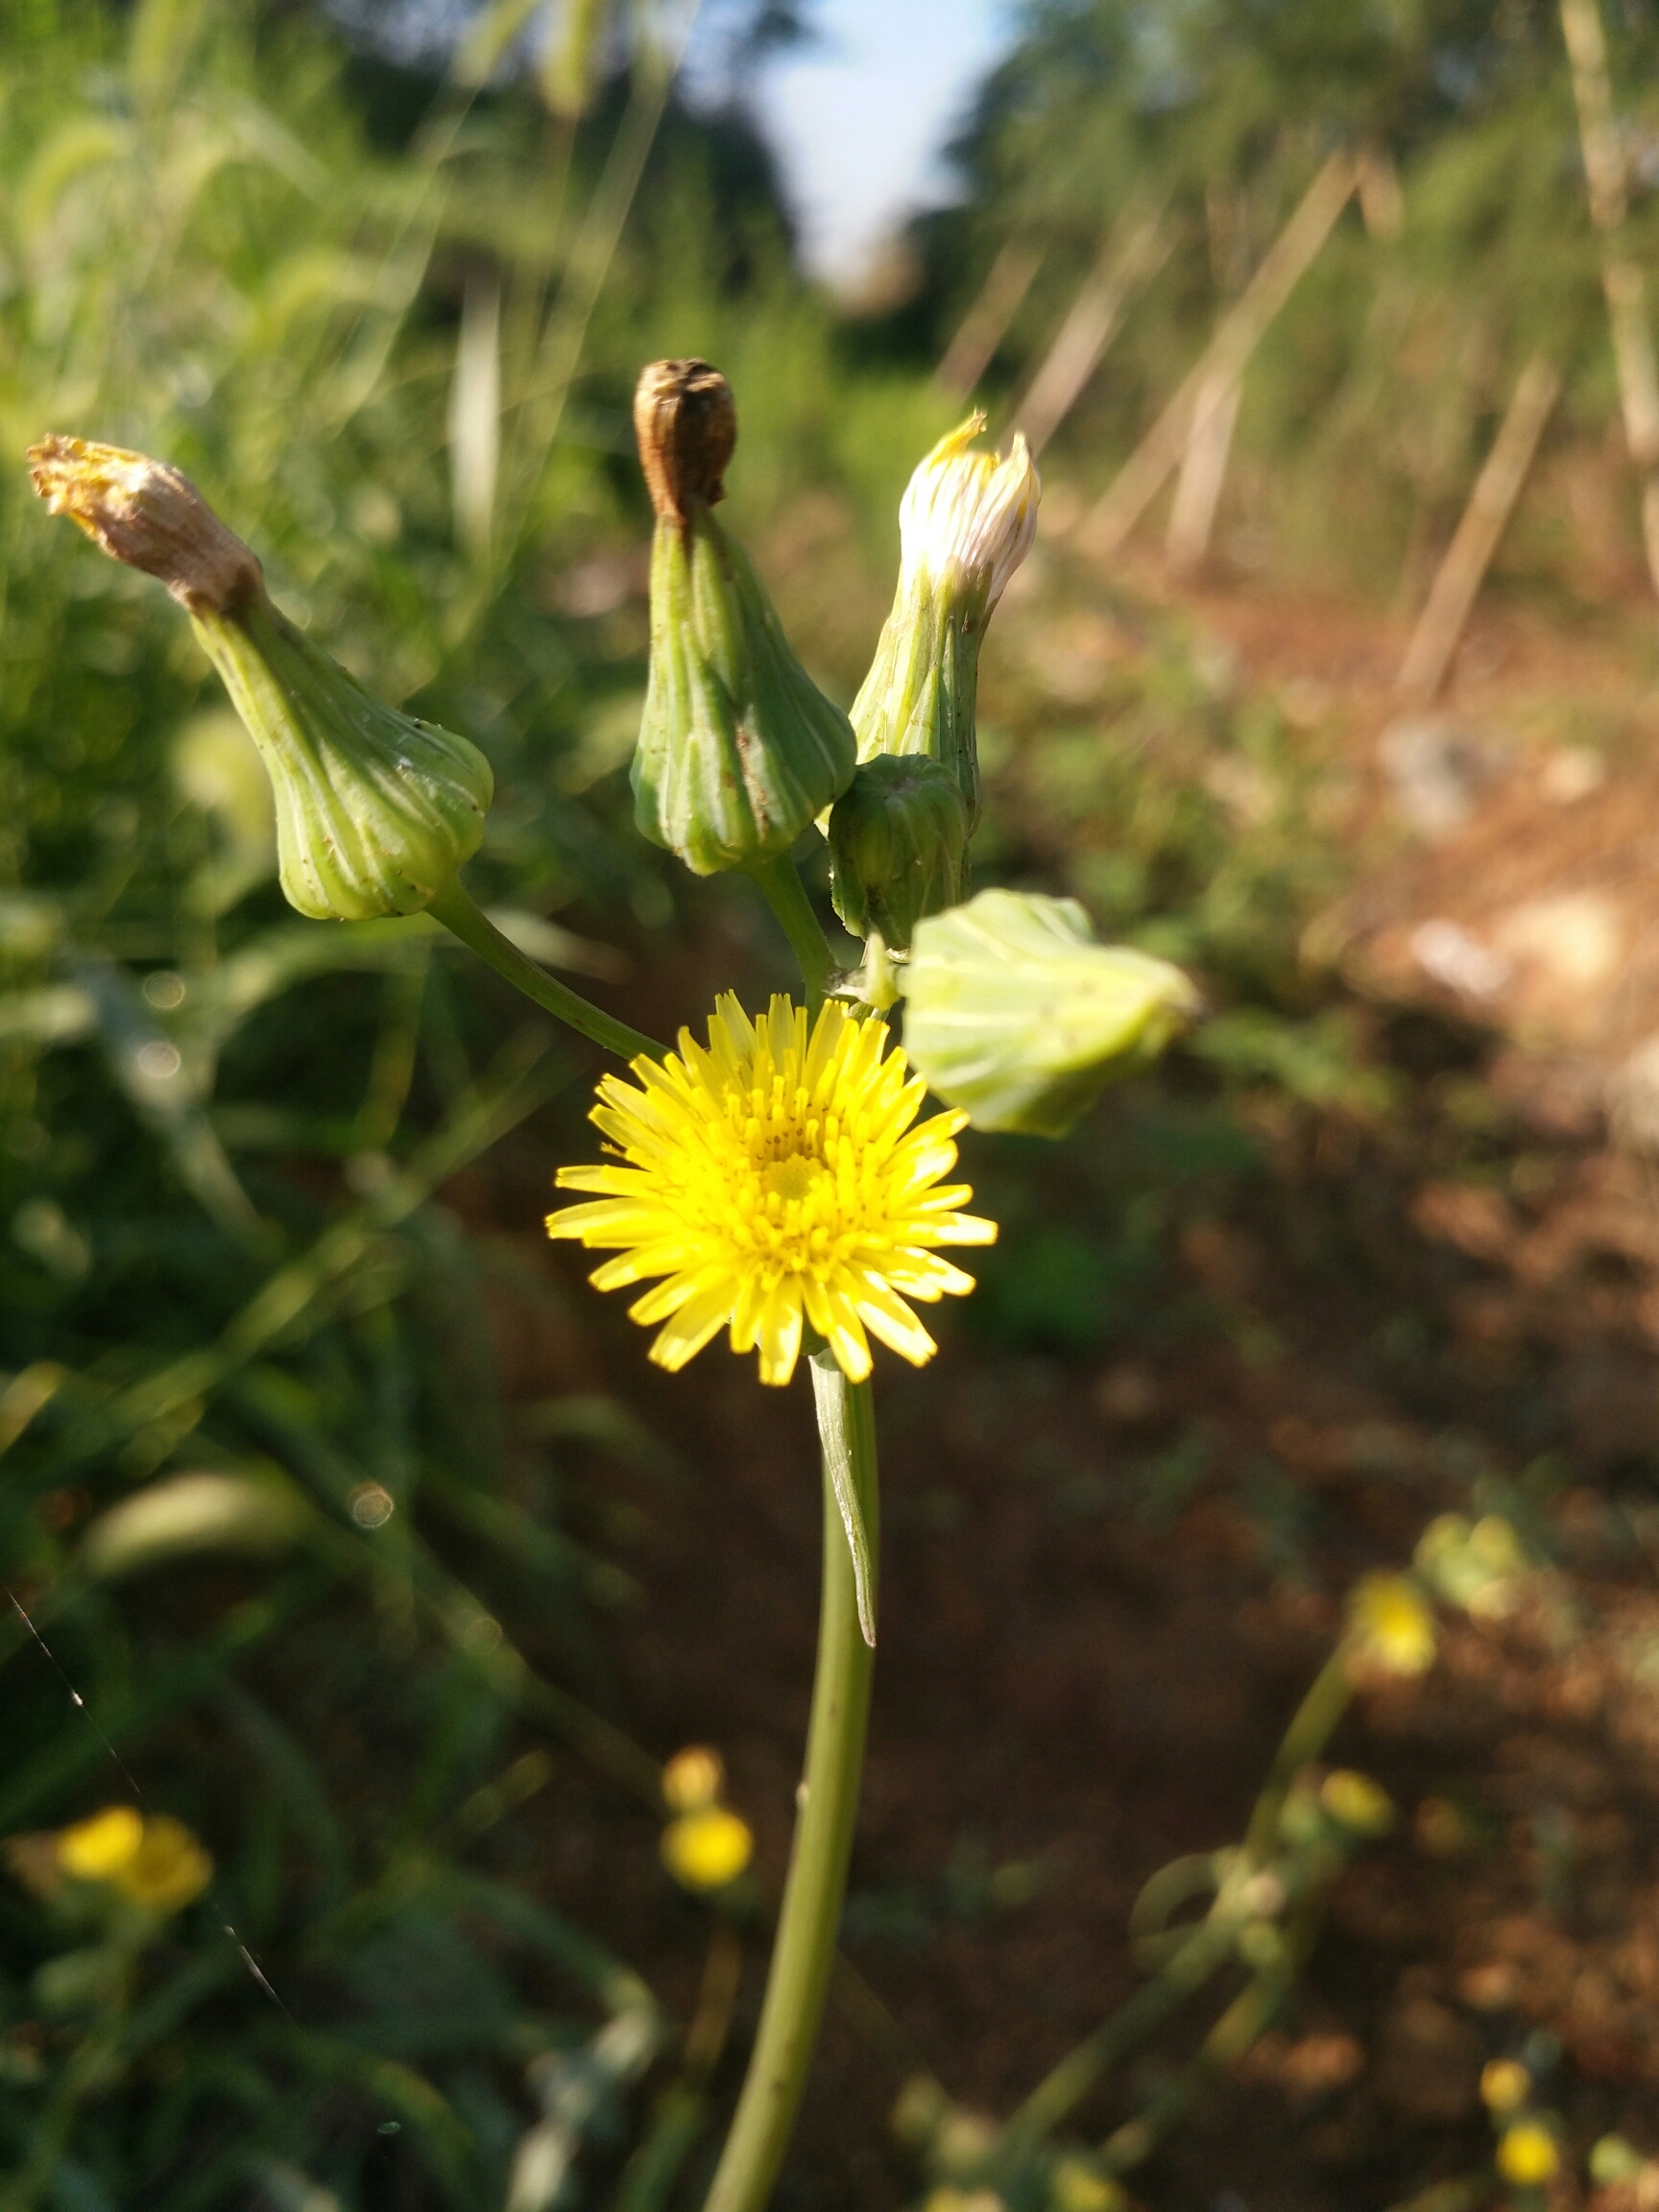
x=968 y=519
x=965 y=525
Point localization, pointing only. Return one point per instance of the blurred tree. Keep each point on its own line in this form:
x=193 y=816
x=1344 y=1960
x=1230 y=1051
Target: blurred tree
x=1475 y=248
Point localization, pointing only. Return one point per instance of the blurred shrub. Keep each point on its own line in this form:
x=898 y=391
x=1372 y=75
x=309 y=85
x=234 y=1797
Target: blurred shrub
x=1370 y=403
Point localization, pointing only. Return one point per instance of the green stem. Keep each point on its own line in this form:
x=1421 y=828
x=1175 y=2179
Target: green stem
x=1310 y=1729
x=457 y=912
x=783 y=891
x=1239 y=2028
x=1211 y=1943
x=805 y=1952
x=1197 y=1957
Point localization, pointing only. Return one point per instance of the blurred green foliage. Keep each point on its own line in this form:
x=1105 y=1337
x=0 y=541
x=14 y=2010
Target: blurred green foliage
x=1369 y=404
x=265 y=1512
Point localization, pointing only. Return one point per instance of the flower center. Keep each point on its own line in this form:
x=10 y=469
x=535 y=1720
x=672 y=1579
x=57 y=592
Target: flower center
x=791 y=1179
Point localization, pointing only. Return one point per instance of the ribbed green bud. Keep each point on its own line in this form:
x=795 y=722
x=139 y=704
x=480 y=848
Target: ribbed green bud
x=738 y=749
x=965 y=525
x=376 y=810
x=897 y=846
x=1016 y=1012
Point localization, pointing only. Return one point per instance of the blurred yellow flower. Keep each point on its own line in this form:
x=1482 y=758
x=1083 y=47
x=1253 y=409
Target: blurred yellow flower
x=1526 y=2157
x=168 y=1870
x=156 y=1862
x=1480 y=1568
x=692 y=1779
x=1358 y=1802
x=706 y=1849
x=96 y=1850
x=1504 y=2086
x=1390 y=1626
x=775 y=1180
x=1074 y=2187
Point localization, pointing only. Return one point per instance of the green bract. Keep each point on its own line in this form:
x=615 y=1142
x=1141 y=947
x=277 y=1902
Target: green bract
x=1016 y=1012
x=897 y=840
x=739 y=749
x=376 y=810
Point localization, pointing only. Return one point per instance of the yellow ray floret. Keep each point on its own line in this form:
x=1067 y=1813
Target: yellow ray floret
x=775 y=1182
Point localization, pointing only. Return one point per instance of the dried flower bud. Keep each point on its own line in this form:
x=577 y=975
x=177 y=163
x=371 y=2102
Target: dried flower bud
x=376 y=810
x=966 y=522
x=898 y=843
x=150 y=516
x=1016 y=1012
x=686 y=425
x=738 y=749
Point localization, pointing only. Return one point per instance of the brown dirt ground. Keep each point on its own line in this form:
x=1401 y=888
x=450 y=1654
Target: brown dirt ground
x=1081 y=1676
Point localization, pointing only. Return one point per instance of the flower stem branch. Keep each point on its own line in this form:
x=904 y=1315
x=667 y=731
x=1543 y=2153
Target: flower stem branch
x=1212 y=1941
x=1310 y=1729
x=1182 y=1975
x=783 y=891
x=458 y=913
x=799 y=1978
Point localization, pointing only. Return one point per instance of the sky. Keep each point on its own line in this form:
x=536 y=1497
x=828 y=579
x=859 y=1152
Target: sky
x=859 y=114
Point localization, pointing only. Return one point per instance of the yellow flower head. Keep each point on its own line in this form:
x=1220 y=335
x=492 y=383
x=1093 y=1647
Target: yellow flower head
x=1526 y=2157
x=775 y=1181
x=1505 y=2086
x=169 y=1869
x=1358 y=1802
x=96 y=1850
x=156 y=1862
x=1390 y=1626
x=705 y=1850
x=692 y=1779
x=1075 y=2186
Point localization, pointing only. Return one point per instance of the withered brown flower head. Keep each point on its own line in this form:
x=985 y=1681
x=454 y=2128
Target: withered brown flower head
x=687 y=424
x=150 y=516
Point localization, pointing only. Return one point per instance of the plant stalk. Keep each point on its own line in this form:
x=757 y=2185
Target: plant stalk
x=797 y=1980
x=1310 y=1729
x=783 y=891
x=459 y=914
x=1182 y=1975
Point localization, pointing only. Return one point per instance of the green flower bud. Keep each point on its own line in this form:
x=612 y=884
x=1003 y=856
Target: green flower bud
x=1016 y=1012
x=376 y=810
x=898 y=845
x=738 y=749
x=966 y=522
